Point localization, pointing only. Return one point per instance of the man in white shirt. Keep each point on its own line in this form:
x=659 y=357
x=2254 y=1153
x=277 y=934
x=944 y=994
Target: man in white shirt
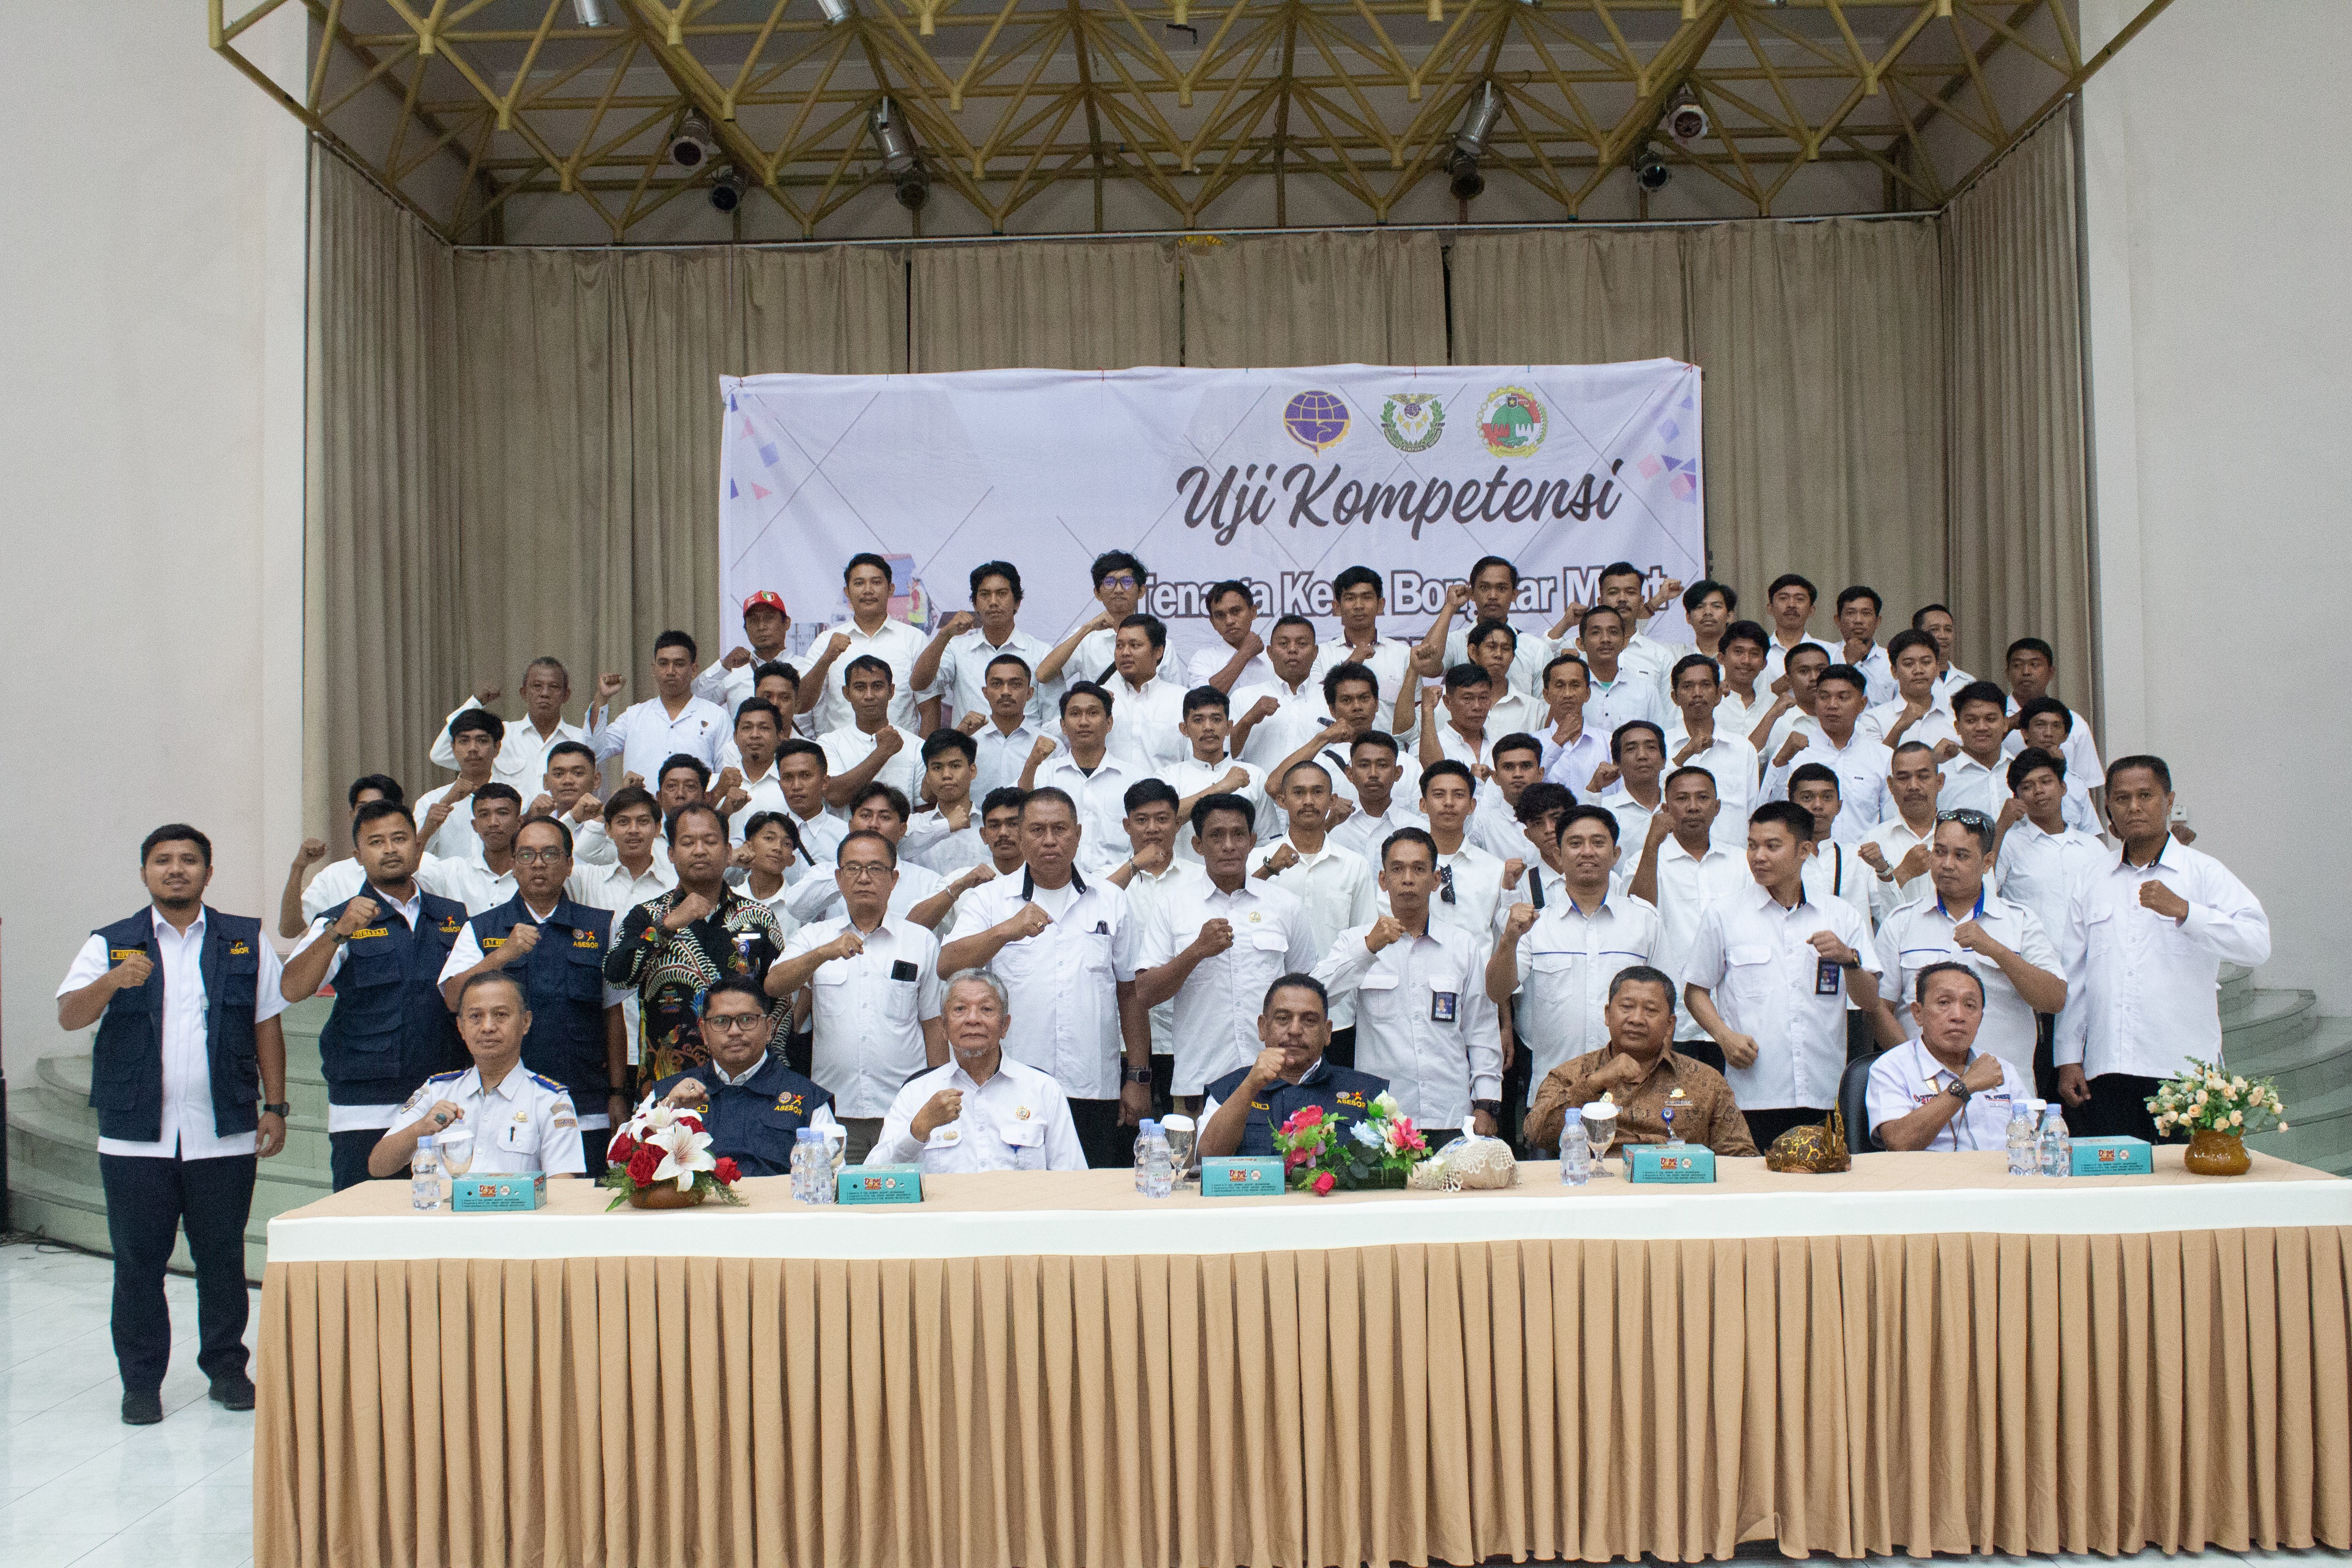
x=485 y=879
x=1744 y=699
x=1494 y=647
x=779 y=686
x=868 y=632
x=2047 y=724
x=873 y=990
x=2039 y=856
x=444 y=817
x=1791 y=711
x=2145 y=937
x=518 y=1120
x=1491 y=593
x=1214 y=946
x=1620 y=695
x=1858 y=759
x=1470 y=882
x=918 y=894
x=1574 y=754
x=1858 y=610
x=1696 y=741
x=1462 y=735
x=1147 y=727
x=1976 y=777
x=1833 y=871
x=1558 y=960
x=1351 y=700
x=1360 y=598
x=956 y=663
x=1683 y=872
x=637 y=870
x=1494 y=820
x=1066 y=949
x=1637 y=754
x=980 y=1110
x=735 y=676
x=1938 y=1091
x=1621 y=588
x=1422 y=1018
x=523 y=748
x=567 y=790
x=1281 y=714
x=672 y=721
x=186 y=1002
x=1151 y=874
x=1085 y=771
x=1237 y=657
x=1374 y=774
x=1008 y=730
x=2031 y=665
x=750 y=785
x=800 y=778
x=1710 y=608
x=1898 y=849
x=1965 y=923
x=1790 y=600
x=1333 y=882
x=300 y=904
x=1937 y=621
x=1207 y=770
x=1919 y=710
x=1086 y=654
x=946 y=836
x=870 y=748
x=1768 y=977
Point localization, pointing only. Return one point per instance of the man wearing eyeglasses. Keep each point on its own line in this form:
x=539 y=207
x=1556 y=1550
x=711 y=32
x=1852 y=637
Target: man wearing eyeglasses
x=874 y=983
x=555 y=950
x=1089 y=653
x=2000 y=941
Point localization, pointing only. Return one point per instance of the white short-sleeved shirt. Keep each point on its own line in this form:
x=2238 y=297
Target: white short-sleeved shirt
x=472 y=883
x=1572 y=765
x=1390 y=664
x=1217 y=1007
x=1189 y=776
x=868 y=1011
x=1474 y=879
x=454 y=839
x=1909 y=1075
x=1018 y=1121
x=1299 y=715
x=935 y=841
x=1147 y=722
x=1362 y=833
x=1144 y=891
x=1688 y=886
x=1861 y=766
x=524 y=1122
x=1101 y=796
x=1566 y=961
x=896 y=644
x=1206 y=662
x=340 y=881
x=521 y=761
x=817 y=897
x=188 y=1109
x=1895 y=840
x=645 y=736
x=1920 y=934
x=1336 y=885
x=2039 y=870
x=765 y=792
x=1731 y=763
x=1064 y=982
x=999 y=758
x=1633 y=817
x=1757 y=961
x=1633 y=695
x=1423 y=1019
x=963 y=672
x=846 y=747
x=1969 y=785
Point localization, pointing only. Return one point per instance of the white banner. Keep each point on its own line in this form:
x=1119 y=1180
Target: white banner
x=1279 y=477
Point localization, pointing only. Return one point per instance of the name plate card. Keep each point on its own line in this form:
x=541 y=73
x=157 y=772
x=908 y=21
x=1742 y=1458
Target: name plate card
x=1688 y=1163
x=1254 y=1177
x=880 y=1185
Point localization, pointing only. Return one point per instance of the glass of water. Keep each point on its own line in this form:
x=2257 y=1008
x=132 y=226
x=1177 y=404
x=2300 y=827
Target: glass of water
x=1181 y=1135
x=455 y=1145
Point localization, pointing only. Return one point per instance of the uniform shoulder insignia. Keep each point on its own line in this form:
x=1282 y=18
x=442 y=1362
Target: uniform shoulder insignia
x=545 y=1082
x=447 y=1076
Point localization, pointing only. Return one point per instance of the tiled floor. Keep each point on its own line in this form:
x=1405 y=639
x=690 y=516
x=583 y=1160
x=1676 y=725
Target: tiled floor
x=77 y=1486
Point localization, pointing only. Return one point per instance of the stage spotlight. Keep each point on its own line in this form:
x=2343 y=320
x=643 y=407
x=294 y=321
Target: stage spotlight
x=727 y=188
x=1651 y=169
x=1478 y=117
x=1686 y=120
x=594 y=14
x=694 y=141
x=836 y=11
x=900 y=161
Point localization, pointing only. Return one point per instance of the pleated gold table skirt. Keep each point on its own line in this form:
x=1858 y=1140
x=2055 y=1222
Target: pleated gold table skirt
x=1423 y=1401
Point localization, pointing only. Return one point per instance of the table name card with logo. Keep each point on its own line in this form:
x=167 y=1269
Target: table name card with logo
x=513 y=1192
x=1680 y=1163
x=1255 y=1176
x=880 y=1185
x=2112 y=1157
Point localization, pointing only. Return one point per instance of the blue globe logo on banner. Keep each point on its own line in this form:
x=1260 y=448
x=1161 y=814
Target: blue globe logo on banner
x=1315 y=419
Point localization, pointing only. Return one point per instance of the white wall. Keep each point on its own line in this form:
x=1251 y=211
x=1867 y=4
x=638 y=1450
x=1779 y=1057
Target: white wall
x=2219 y=218
x=151 y=258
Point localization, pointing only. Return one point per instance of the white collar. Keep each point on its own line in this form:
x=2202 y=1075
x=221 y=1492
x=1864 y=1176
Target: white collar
x=749 y=1073
x=164 y=928
x=507 y=1087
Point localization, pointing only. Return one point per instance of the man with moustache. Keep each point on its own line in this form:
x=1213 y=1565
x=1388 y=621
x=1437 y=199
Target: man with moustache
x=1241 y=1111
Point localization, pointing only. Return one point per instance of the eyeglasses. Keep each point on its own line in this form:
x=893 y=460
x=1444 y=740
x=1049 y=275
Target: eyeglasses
x=734 y=1023
x=1119 y=580
x=1445 y=884
x=864 y=872
x=541 y=856
x=1964 y=818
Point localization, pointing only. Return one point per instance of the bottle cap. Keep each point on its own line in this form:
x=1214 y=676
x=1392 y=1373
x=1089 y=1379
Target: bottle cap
x=1574 y=1114
x=1146 y=1127
x=807 y=1135
x=425 y=1142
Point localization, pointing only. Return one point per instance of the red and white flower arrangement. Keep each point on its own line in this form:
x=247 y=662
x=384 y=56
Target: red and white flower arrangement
x=1322 y=1152
x=662 y=1150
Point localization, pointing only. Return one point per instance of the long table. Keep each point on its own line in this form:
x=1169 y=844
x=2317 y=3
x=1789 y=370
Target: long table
x=1922 y=1354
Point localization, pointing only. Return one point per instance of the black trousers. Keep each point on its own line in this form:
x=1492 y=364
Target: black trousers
x=594 y=1142
x=1109 y=1145
x=1341 y=1051
x=1701 y=1050
x=148 y=1201
x=2118 y=1109
x=347 y=1155
x=1764 y=1126
x=2045 y=1072
x=1163 y=1084
x=1518 y=1083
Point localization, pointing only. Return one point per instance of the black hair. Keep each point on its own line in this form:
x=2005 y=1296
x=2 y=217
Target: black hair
x=1694 y=661
x=1903 y=641
x=385 y=785
x=1296 y=983
x=888 y=794
x=1230 y=585
x=1793 y=580
x=1111 y=561
x=1420 y=836
x=678 y=819
x=1919 y=617
x=1004 y=569
x=1341 y=673
x=946 y=738
x=1878 y=604
x=1590 y=813
x=1519 y=741
x=1447 y=767
x=1484 y=561
x=1026 y=673
x=776 y=667
x=1979 y=692
x=1642 y=974
x=543 y=820
x=1612 y=611
x=1153 y=627
x=1463 y=675
x=1808 y=645
x=628 y=798
x=374 y=810
x=2030 y=645
x=176 y=833
x=730 y=985
x=1815 y=772
x=863 y=662
x=1617 y=736
x=1486 y=629
x=494 y=977
x=1202 y=696
x=1696 y=594
x=1540 y=799
x=1789 y=814
x=1357 y=576
x=1150 y=791
x=1003 y=797
x=479 y=721
x=1689 y=771
x=2041 y=705
x=675 y=761
x=2152 y=763
x=1848 y=674
x=1083 y=689
x=1979 y=829
x=855 y=833
x=495 y=791
x=1209 y=805
x=800 y=746
x=757 y=705
x=1745 y=631
x=574 y=749
x=1555 y=661
x=676 y=638
x=1048 y=795
x=759 y=821
x=866 y=558
x=1292 y=621
x=2022 y=767
x=1919 y=985
x=1620 y=569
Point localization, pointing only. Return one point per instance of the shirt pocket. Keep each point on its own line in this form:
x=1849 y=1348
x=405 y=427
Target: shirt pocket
x=898 y=1000
x=584 y=972
x=1026 y=1139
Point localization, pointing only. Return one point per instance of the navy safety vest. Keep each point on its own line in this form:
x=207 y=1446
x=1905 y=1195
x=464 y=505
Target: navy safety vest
x=754 y=1121
x=1344 y=1094
x=391 y=1030
x=563 y=986
x=126 y=1064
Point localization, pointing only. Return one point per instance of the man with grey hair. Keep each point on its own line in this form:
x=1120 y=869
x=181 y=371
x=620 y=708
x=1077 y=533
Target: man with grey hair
x=524 y=749
x=982 y=1111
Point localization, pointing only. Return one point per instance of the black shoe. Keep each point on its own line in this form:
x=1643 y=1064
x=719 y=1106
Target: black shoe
x=141 y=1407
x=233 y=1391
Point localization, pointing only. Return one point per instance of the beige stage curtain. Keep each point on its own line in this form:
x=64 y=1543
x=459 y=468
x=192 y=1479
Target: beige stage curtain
x=1547 y=1399
x=2020 y=507
x=1315 y=298
x=1056 y=305
x=1569 y=299
x=384 y=629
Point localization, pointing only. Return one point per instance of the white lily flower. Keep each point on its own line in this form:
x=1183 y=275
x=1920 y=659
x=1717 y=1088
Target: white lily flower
x=684 y=1154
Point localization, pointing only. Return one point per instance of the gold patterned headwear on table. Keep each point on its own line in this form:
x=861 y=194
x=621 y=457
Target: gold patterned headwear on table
x=1818 y=1149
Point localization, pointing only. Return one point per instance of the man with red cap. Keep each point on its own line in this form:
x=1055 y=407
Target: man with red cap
x=733 y=678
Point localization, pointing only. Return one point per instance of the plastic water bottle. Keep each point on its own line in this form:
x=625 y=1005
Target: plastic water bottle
x=2057 y=1143
x=807 y=1150
x=2024 y=1141
x=425 y=1176
x=1144 y=1132
x=1159 y=1166
x=1575 y=1151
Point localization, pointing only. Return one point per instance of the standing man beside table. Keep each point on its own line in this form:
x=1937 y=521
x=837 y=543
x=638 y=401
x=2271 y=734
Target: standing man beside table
x=186 y=1002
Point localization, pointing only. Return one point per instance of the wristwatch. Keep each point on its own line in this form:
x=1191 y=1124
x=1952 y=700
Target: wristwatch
x=1959 y=1091
x=1493 y=1108
x=280 y=1111
x=1136 y=1074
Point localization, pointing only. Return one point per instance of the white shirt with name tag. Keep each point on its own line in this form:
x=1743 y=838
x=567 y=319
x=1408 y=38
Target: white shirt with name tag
x=1017 y=1120
x=1422 y=1020
x=1920 y=934
x=523 y=1123
x=868 y=1011
x=1909 y=1075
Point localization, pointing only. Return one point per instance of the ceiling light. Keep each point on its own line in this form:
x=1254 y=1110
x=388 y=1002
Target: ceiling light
x=900 y=160
x=727 y=188
x=1478 y=117
x=836 y=11
x=1651 y=169
x=1686 y=120
x=693 y=142
x=593 y=14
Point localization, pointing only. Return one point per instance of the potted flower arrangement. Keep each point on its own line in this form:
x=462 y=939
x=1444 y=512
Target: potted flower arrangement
x=1320 y=1153
x=2217 y=1111
x=662 y=1160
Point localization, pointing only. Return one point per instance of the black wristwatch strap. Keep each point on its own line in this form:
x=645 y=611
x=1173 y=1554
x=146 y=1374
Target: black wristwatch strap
x=1137 y=1075
x=1493 y=1108
x=278 y=1111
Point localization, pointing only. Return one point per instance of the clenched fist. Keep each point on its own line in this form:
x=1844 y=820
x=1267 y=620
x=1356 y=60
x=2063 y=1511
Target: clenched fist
x=1385 y=930
x=1215 y=937
x=357 y=914
x=685 y=911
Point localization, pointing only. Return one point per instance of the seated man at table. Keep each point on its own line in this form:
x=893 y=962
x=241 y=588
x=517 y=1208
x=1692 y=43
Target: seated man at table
x=1642 y=1072
x=1938 y=1091
x=520 y=1121
x=750 y=1103
x=1242 y=1108
x=982 y=1111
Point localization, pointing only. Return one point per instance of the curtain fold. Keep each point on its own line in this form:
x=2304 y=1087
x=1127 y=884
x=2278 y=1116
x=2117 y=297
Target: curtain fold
x=1056 y=305
x=2020 y=496
x=1315 y=298
x=1568 y=298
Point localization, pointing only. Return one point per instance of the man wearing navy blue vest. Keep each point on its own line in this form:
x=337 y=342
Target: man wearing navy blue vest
x=750 y=1103
x=385 y=948
x=1242 y=1110
x=186 y=1003
x=556 y=949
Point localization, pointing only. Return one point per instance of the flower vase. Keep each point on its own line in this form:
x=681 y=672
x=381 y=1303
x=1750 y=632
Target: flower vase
x=2214 y=1153
x=665 y=1196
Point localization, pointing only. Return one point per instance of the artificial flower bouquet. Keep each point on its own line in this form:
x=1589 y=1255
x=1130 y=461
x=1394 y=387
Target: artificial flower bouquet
x=1320 y=1153
x=2206 y=1099
x=662 y=1160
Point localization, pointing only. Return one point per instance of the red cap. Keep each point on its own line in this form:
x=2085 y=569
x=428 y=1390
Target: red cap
x=770 y=599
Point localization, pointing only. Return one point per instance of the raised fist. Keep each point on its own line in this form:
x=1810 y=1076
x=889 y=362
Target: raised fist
x=312 y=850
x=1385 y=930
x=1215 y=936
x=133 y=972
x=521 y=940
x=356 y=914
x=737 y=657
